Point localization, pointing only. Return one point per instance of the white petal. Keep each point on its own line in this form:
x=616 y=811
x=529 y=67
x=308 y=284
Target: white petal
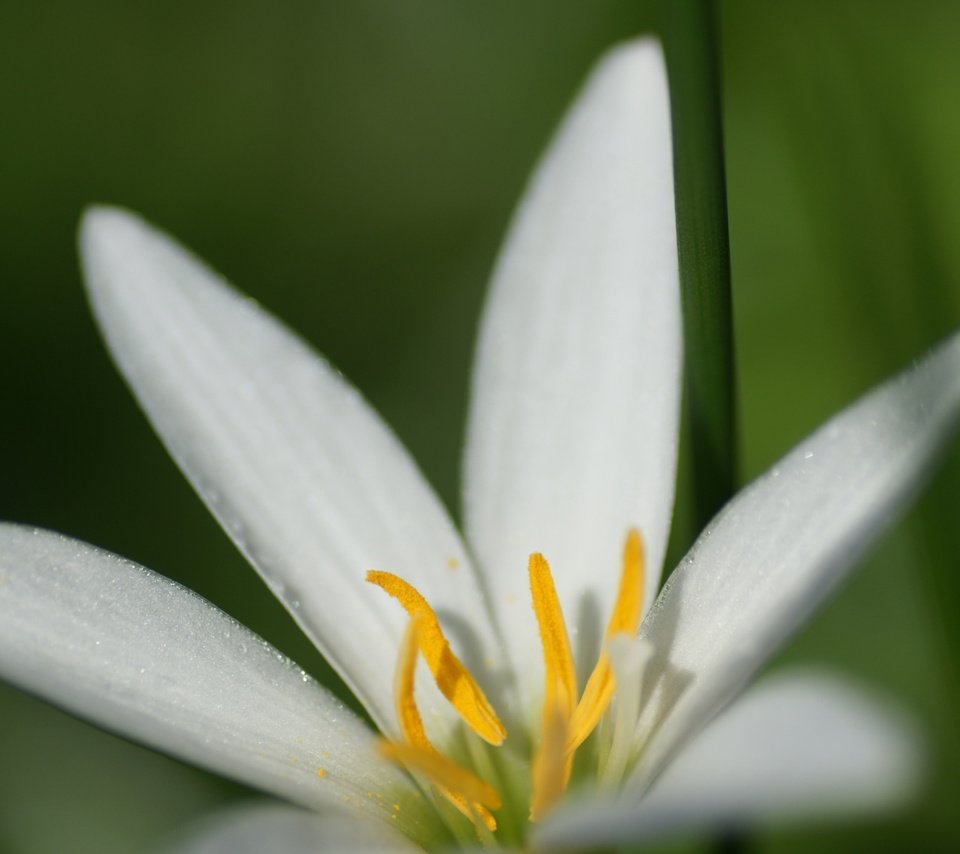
x=302 y=474
x=262 y=828
x=796 y=746
x=779 y=547
x=572 y=436
x=144 y=657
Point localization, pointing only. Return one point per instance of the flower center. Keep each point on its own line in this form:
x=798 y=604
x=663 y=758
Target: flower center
x=566 y=722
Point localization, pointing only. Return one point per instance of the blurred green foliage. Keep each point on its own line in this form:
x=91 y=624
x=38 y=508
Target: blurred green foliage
x=353 y=166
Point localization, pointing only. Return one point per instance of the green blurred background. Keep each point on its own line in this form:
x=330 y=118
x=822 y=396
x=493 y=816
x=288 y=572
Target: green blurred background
x=353 y=165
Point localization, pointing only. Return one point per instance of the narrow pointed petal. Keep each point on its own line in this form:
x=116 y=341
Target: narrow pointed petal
x=783 y=544
x=573 y=422
x=144 y=657
x=798 y=745
x=302 y=474
x=259 y=828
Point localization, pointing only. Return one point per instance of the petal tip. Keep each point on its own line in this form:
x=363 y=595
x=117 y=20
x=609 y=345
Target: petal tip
x=633 y=61
x=99 y=221
x=104 y=238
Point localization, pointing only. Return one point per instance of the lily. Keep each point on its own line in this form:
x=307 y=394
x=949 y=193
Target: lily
x=508 y=715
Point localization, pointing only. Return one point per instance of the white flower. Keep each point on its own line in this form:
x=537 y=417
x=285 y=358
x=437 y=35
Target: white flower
x=570 y=455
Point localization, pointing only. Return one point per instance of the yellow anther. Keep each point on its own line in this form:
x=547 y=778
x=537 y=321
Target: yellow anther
x=566 y=723
x=452 y=677
x=553 y=760
x=628 y=607
x=561 y=674
x=625 y=619
x=408 y=715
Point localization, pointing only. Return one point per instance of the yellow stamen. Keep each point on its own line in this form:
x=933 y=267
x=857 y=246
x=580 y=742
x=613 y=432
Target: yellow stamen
x=624 y=619
x=452 y=677
x=566 y=723
x=561 y=674
x=467 y=792
x=565 y=728
x=553 y=760
x=442 y=772
x=408 y=715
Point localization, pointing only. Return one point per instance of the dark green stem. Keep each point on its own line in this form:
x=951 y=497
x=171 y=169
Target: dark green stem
x=701 y=198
